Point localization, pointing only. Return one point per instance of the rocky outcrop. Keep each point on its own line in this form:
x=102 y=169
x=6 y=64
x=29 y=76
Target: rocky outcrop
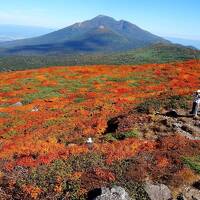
x=115 y=193
x=158 y=192
x=189 y=193
x=187 y=129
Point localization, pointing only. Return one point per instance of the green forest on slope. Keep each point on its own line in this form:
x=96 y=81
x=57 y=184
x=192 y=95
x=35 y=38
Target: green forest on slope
x=159 y=53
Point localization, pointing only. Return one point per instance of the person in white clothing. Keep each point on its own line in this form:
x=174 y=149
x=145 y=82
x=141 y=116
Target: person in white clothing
x=196 y=102
x=89 y=143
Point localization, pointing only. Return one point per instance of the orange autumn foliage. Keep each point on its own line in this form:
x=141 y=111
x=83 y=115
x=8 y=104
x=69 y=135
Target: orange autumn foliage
x=34 y=192
x=104 y=174
x=75 y=103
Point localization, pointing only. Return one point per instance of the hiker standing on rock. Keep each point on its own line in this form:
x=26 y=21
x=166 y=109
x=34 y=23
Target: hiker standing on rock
x=196 y=103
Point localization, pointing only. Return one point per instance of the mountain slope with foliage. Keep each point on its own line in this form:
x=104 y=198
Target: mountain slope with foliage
x=154 y=54
x=43 y=150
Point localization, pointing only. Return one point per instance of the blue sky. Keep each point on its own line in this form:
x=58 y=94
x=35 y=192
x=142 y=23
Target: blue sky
x=178 y=18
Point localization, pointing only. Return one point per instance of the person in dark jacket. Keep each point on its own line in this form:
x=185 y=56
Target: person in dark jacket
x=196 y=102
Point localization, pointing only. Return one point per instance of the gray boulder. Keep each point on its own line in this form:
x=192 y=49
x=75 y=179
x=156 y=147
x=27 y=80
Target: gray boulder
x=158 y=192
x=115 y=193
x=17 y=104
x=190 y=193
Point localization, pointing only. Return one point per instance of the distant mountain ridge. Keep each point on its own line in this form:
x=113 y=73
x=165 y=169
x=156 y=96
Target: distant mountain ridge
x=100 y=34
x=10 y=32
x=186 y=42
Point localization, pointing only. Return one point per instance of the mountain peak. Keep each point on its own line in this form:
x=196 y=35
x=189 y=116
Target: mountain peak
x=100 y=16
x=100 y=34
x=103 y=17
